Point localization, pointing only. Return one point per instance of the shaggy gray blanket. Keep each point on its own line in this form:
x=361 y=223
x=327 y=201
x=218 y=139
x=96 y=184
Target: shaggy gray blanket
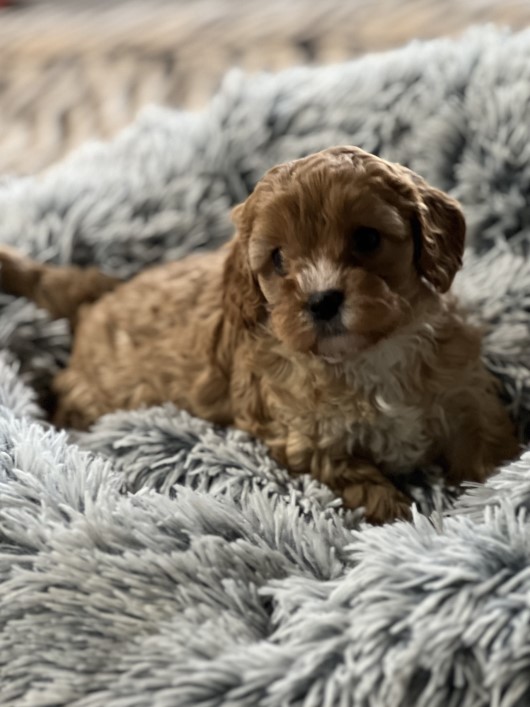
x=170 y=563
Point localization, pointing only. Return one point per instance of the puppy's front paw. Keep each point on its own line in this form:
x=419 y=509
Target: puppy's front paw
x=382 y=502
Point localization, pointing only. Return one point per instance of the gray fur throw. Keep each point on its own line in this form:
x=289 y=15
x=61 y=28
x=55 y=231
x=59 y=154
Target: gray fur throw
x=161 y=562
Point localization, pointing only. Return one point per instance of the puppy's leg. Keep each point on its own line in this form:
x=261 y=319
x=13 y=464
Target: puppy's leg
x=59 y=290
x=360 y=483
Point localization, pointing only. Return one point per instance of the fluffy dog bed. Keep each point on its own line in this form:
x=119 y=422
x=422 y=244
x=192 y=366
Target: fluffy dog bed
x=173 y=563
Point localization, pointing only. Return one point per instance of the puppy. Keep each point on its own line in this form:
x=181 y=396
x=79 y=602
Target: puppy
x=324 y=328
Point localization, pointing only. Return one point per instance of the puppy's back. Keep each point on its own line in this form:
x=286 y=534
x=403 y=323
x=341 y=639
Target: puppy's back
x=149 y=341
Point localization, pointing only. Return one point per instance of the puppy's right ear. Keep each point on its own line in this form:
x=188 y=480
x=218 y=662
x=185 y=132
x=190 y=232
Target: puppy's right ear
x=243 y=300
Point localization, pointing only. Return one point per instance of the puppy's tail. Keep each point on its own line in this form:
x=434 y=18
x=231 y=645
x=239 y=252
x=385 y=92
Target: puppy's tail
x=59 y=290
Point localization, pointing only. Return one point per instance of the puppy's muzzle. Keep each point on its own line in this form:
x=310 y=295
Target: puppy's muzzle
x=325 y=306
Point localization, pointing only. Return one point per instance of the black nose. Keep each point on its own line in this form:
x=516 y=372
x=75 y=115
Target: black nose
x=325 y=305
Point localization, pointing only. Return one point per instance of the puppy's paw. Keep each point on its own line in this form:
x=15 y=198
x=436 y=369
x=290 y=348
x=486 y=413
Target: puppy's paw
x=382 y=503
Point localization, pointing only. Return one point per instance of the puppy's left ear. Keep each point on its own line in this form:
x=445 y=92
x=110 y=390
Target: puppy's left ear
x=242 y=297
x=440 y=231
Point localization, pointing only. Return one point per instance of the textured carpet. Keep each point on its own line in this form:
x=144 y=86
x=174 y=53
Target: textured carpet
x=165 y=562
x=71 y=70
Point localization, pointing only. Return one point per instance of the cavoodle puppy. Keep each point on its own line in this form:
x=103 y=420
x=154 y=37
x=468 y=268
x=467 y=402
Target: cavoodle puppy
x=324 y=328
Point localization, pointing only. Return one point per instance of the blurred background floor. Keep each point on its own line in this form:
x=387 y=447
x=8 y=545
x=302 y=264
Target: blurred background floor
x=71 y=70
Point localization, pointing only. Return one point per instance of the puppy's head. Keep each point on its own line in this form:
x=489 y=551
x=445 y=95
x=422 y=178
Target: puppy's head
x=334 y=251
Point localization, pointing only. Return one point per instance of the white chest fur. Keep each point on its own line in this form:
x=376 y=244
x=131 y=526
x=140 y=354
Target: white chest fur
x=374 y=405
x=398 y=433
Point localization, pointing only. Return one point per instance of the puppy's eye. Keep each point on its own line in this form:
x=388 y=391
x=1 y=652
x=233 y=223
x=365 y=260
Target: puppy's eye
x=277 y=261
x=366 y=239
